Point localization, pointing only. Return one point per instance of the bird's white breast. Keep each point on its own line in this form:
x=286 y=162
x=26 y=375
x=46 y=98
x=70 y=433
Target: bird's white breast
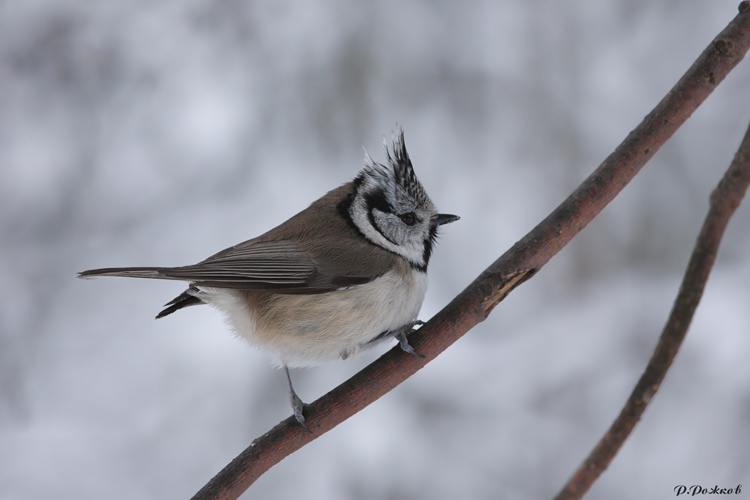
x=305 y=330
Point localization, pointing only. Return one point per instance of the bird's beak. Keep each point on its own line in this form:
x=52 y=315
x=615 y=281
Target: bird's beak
x=440 y=219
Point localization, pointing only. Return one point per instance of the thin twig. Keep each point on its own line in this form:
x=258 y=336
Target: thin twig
x=519 y=263
x=724 y=200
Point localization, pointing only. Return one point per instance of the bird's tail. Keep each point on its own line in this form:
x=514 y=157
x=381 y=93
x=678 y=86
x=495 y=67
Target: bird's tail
x=187 y=298
x=127 y=272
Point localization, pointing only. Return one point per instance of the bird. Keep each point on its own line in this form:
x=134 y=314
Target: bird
x=344 y=274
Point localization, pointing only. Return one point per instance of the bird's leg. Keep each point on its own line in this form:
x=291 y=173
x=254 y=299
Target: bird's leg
x=297 y=404
x=401 y=334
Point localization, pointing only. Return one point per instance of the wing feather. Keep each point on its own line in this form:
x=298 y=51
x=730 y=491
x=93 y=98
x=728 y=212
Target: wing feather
x=279 y=266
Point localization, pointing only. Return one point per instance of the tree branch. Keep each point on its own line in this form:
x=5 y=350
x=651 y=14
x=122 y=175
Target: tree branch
x=724 y=200
x=519 y=263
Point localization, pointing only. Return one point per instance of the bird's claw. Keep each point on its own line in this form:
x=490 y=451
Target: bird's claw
x=404 y=342
x=298 y=406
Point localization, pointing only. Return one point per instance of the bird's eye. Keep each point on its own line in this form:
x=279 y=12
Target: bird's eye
x=408 y=218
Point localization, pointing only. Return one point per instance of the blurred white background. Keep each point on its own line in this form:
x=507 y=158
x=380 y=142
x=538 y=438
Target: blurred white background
x=159 y=132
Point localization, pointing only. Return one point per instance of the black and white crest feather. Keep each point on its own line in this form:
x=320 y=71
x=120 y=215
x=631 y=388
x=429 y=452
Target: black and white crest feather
x=398 y=174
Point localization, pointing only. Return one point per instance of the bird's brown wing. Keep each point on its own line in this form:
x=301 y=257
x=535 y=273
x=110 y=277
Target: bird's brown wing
x=279 y=266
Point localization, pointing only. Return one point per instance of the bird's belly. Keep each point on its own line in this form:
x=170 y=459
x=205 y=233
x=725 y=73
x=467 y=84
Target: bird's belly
x=305 y=330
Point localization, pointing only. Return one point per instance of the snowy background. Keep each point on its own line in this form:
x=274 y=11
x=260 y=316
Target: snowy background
x=159 y=132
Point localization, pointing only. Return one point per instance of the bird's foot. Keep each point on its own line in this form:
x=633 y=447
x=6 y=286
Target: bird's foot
x=298 y=406
x=403 y=341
